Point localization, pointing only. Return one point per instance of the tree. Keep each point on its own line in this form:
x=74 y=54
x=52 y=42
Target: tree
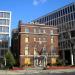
x=10 y=61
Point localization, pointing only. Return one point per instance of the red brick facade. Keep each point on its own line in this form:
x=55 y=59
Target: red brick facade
x=38 y=44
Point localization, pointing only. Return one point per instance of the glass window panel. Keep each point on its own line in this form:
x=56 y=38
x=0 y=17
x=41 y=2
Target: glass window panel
x=68 y=10
x=1 y=14
x=66 y=18
x=35 y=52
x=26 y=40
x=34 y=39
x=73 y=7
x=26 y=30
x=34 y=30
x=40 y=31
x=5 y=29
x=6 y=15
x=52 y=41
x=2 y=22
x=65 y=10
x=51 y=32
x=4 y=37
x=74 y=15
x=7 y=22
x=26 y=50
x=61 y=12
x=44 y=31
x=0 y=29
x=2 y=52
x=71 y=16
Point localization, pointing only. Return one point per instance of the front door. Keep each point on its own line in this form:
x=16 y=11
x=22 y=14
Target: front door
x=40 y=61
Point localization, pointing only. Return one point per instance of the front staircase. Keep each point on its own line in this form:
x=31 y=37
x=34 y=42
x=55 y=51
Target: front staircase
x=34 y=68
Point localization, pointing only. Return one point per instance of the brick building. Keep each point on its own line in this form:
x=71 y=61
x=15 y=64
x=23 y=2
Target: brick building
x=37 y=44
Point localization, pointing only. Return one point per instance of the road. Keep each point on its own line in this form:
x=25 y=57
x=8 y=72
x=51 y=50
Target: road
x=71 y=73
x=38 y=72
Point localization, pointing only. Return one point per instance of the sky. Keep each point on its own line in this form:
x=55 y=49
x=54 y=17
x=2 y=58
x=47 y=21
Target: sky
x=28 y=10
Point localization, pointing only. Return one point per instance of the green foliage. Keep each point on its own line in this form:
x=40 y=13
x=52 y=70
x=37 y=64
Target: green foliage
x=1 y=61
x=10 y=61
x=59 y=62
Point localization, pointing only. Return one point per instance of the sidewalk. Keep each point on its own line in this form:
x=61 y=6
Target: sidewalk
x=35 y=70
x=60 y=67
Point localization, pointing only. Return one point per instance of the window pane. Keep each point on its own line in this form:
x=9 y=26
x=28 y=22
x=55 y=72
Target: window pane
x=0 y=29
x=5 y=29
x=7 y=22
x=34 y=30
x=73 y=7
x=26 y=30
x=26 y=50
x=26 y=40
x=4 y=37
x=44 y=31
x=2 y=52
x=1 y=14
x=2 y=22
x=51 y=32
x=51 y=41
x=34 y=39
x=35 y=52
x=6 y=15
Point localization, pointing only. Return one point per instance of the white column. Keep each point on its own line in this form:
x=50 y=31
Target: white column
x=37 y=61
x=5 y=61
x=46 y=61
x=72 y=62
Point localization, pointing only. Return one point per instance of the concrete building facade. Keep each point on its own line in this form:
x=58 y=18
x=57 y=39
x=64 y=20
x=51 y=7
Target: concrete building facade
x=64 y=19
x=5 y=23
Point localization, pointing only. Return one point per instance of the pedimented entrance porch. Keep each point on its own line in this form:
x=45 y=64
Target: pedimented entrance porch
x=40 y=61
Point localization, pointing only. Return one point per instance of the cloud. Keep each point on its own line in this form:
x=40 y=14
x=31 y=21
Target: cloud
x=37 y=2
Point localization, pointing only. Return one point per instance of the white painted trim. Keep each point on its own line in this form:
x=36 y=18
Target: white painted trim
x=40 y=55
x=41 y=26
x=4 y=25
x=38 y=33
x=4 y=32
x=5 y=11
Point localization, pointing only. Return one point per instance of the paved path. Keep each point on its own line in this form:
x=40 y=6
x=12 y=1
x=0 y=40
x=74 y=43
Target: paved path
x=22 y=72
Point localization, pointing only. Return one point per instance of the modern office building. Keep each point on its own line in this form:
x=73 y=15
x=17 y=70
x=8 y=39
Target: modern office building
x=64 y=19
x=37 y=44
x=5 y=22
